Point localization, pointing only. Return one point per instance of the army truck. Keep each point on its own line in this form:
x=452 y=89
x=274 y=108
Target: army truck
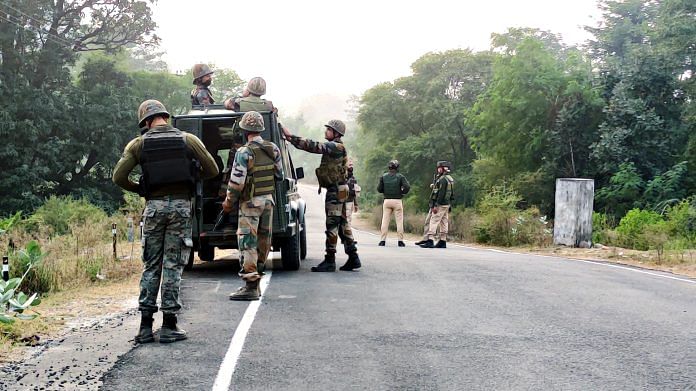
x=217 y=128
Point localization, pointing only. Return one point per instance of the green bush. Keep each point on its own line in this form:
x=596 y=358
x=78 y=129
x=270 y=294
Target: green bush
x=632 y=227
x=498 y=212
x=681 y=220
x=58 y=214
x=602 y=224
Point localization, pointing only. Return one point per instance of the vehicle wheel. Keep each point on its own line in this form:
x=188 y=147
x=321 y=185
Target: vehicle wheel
x=206 y=253
x=290 y=253
x=189 y=264
x=303 y=240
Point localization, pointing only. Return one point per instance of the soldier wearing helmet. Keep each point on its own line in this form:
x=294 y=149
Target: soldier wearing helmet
x=251 y=98
x=353 y=193
x=332 y=175
x=394 y=186
x=167 y=157
x=202 y=78
x=440 y=200
x=256 y=167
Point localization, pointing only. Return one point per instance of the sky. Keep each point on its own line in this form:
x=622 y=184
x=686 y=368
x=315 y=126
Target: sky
x=315 y=54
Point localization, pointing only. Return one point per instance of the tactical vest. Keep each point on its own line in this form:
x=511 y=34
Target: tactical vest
x=196 y=91
x=254 y=103
x=392 y=186
x=449 y=192
x=166 y=160
x=332 y=171
x=261 y=178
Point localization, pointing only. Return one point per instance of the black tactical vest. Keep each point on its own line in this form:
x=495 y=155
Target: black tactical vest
x=166 y=160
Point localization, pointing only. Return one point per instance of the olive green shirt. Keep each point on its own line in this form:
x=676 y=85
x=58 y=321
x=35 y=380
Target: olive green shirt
x=131 y=155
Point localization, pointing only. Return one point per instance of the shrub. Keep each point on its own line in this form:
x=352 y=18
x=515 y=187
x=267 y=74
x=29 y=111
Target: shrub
x=498 y=211
x=602 y=224
x=681 y=221
x=632 y=227
x=58 y=214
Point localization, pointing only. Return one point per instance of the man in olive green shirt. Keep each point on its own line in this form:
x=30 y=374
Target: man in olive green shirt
x=394 y=186
x=166 y=156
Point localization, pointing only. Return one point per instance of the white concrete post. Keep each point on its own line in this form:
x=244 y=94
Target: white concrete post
x=572 y=225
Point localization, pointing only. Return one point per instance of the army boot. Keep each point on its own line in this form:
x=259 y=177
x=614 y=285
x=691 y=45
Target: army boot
x=382 y=243
x=401 y=243
x=327 y=265
x=418 y=243
x=145 y=332
x=169 y=331
x=441 y=244
x=248 y=292
x=353 y=262
x=428 y=244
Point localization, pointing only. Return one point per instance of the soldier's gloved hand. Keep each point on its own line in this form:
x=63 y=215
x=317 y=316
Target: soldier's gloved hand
x=227 y=206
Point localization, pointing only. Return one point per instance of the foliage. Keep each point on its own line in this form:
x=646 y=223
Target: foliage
x=633 y=225
x=14 y=303
x=7 y=223
x=681 y=220
x=58 y=214
x=623 y=192
x=498 y=210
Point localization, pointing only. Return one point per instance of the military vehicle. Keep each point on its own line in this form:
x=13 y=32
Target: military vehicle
x=217 y=128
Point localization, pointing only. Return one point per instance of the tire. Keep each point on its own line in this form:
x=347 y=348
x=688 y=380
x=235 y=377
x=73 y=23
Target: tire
x=303 y=240
x=189 y=264
x=206 y=253
x=290 y=253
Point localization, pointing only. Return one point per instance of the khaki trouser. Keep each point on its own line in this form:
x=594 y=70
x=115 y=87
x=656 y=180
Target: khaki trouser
x=397 y=207
x=439 y=220
x=349 y=211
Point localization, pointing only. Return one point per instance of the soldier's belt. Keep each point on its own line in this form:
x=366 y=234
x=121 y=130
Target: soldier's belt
x=170 y=197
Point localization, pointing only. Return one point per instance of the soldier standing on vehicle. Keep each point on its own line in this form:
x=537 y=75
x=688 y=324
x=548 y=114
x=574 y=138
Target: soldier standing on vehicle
x=353 y=194
x=251 y=98
x=252 y=184
x=202 y=78
x=394 y=186
x=440 y=201
x=332 y=175
x=171 y=161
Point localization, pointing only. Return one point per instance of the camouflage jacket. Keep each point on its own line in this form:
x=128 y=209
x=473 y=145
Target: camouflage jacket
x=201 y=95
x=243 y=163
x=333 y=148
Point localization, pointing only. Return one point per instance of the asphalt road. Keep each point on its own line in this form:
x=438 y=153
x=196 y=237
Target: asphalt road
x=427 y=319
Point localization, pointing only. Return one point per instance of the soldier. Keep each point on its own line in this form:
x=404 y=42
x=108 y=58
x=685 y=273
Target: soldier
x=426 y=224
x=332 y=176
x=353 y=194
x=202 y=78
x=167 y=157
x=251 y=98
x=252 y=183
x=394 y=186
x=440 y=201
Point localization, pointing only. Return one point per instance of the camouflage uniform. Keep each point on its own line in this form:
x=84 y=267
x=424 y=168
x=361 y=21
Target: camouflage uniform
x=335 y=202
x=257 y=165
x=201 y=95
x=353 y=192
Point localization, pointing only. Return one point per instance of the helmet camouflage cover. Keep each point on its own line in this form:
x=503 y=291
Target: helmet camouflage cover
x=394 y=164
x=444 y=163
x=149 y=108
x=252 y=121
x=257 y=86
x=200 y=70
x=338 y=126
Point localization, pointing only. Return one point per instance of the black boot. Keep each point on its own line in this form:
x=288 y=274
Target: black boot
x=248 y=292
x=428 y=244
x=327 y=265
x=382 y=243
x=145 y=332
x=441 y=244
x=401 y=243
x=169 y=331
x=352 y=263
x=418 y=243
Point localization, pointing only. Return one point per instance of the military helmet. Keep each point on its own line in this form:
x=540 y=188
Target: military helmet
x=200 y=70
x=149 y=108
x=252 y=121
x=257 y=86
x=394 y=165
x=338 y=126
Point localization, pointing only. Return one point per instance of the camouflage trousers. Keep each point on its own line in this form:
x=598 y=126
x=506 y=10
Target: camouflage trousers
x=337 y=224
x=166 y=248
x=254 y=235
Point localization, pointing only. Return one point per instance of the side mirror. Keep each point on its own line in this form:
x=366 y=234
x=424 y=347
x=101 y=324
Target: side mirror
x=299 y=173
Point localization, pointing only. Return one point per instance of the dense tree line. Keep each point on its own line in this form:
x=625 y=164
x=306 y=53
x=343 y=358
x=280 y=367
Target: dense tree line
x=532 y=109
x=71 y=77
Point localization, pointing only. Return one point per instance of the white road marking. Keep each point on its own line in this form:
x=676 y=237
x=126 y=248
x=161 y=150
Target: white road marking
x=217 y=287
x=224 y=376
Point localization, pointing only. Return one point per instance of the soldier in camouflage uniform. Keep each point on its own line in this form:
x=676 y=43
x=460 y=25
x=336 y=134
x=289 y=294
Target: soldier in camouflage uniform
x=332 y=176
x=353 y=194
x=440 y=200
x=251 y=98
x=167 y=157
x=256 y=167
x=202 y=78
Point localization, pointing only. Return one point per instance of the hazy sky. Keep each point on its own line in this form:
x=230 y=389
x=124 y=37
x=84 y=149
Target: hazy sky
x=305 y=48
